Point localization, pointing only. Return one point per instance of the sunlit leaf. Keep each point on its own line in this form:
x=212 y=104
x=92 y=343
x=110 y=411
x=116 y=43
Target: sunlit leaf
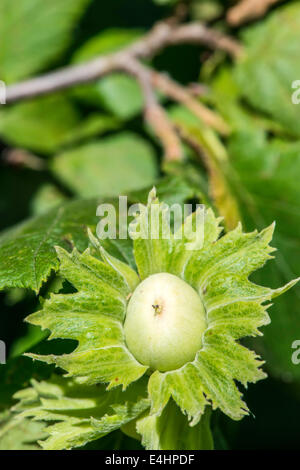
x=108 y=167
x=82 y=413
x=269 y=66
x=34 y=33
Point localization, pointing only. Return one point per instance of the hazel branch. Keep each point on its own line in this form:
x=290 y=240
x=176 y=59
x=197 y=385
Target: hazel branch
x=162 y=35
x=128 y=60
x=154 y=113
x=184 y=96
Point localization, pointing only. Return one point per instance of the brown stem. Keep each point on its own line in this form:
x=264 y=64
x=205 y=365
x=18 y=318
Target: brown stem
x=162 y=35
x=154 y=113
x=178 y=93
x=247 y=10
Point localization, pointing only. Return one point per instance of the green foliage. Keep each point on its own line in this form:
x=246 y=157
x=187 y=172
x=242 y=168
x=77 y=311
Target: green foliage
x=27 y=251
x=35 y=34
x=170 y=431
x=46 y=198
x=163 y=2
x=41 y=125
x=45 y=125
x=269 y=181
x=264 y=175
x=93 y=316
x=216 y=161
x=82 y=414
x=107 y=167
x=227 y=294
x=22 y=435
x=106 y=42
x=270 y=65
x=91 y=141
x=118 y=93
x=217 y=269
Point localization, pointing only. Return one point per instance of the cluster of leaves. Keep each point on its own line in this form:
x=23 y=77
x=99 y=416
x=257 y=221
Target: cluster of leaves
x=94 y=315
x=92 y=144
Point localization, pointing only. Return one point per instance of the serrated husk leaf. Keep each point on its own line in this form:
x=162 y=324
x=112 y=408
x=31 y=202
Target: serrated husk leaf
x=129 y=275
x=93 y=316
x=80 y=413
x=170 y=431
x=218 y=268
x=235 y=307
x=152 y=254
x=21 y=434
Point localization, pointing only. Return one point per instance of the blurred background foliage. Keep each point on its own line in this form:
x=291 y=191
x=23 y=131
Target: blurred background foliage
x=91 y=142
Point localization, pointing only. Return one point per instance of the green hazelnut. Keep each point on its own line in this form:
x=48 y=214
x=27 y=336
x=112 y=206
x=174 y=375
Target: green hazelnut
x=164 y=323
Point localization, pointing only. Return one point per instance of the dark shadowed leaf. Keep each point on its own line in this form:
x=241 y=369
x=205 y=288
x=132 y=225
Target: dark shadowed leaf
x=269 y=190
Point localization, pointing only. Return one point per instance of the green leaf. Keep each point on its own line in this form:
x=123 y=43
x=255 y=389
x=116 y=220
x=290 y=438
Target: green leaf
x=82 y=413
x=32 y=337
x=47 y=197
x=130 y=277
x=93 y=125
x=27 y=253
x=107 y=42
x=170 y=431
x=226 y=97
x=268 y=187
x=180 y=256
x=24 y=434
x=215 y=159
x=47 y=124
x=167 y=254
x=96 y=313
x=269 y=66
x=239 y=254
x=21 y=435
x=108 y=167
x=41 y=125
x=206 y=10
x=171 y=189
x=35 y=33
x=152 y=254
x=16 y=374
x=118 y=93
